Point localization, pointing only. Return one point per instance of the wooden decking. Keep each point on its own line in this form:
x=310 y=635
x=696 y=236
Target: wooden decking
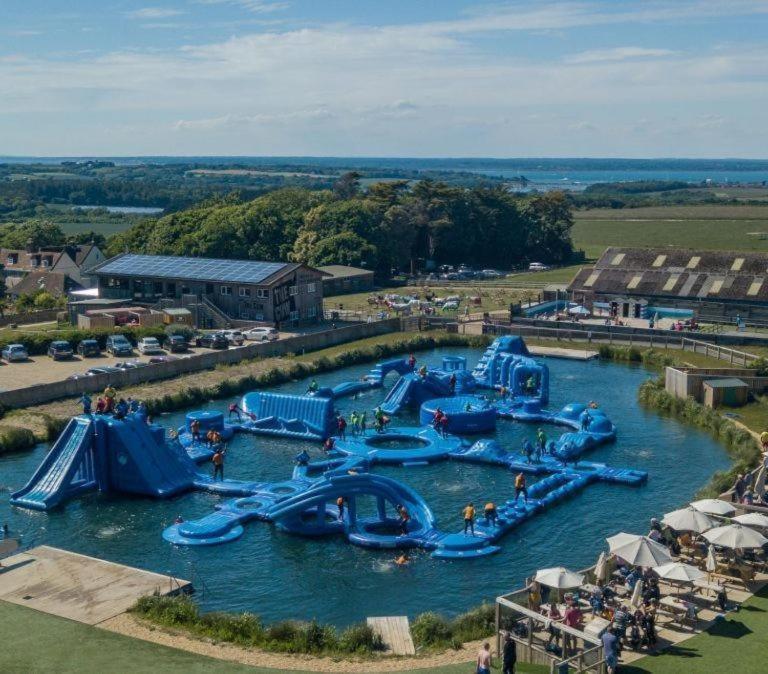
x=78 y=587
x=395 y=632
x=557 y=352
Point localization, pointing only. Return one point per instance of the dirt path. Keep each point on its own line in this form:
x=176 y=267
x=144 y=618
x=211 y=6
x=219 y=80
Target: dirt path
x=129 y=625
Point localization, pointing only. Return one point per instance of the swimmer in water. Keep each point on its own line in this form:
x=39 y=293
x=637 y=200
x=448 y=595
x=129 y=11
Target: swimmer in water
x=403 y=560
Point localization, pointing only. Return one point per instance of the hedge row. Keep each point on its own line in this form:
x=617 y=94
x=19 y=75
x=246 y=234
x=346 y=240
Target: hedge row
x=247 y=629
x=429 y=630
x=739 y=443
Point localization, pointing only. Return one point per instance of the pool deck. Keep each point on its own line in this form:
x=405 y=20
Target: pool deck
x=78 y=587
x=557 y=352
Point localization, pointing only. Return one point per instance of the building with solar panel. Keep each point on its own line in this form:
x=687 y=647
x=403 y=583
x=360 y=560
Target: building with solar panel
x=221 y=293
x=675 y=282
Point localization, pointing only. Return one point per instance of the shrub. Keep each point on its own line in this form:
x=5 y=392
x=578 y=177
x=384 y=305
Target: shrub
x=360 y=638
x=475 y=624
x=431 y=630
x=15 y=439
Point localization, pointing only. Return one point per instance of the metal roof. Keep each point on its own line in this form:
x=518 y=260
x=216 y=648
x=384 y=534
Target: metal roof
x=729 y=382
x=192 y=268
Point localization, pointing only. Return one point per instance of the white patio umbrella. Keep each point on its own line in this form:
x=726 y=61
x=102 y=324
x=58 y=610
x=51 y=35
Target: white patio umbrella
x=752 y=520
x=559 y=578
x=714 y=506
x=638 y=550
x=679 y=572
x=711 y=564
x=579 y=310
x=637 y=594
x=600 y=568
x=688 y=519
x=735 y=536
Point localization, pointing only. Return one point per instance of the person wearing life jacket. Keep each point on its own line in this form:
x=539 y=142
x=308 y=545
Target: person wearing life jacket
x=520 y=487
x=469 y=518
x=412 y=361
x=452 y=383
x=491 y=515
x=340 y=506
x=194 y=428
x=109 y=398
x=218 y=463
x=405 y=517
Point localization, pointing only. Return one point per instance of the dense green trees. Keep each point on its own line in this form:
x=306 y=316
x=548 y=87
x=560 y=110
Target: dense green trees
x=389 y=225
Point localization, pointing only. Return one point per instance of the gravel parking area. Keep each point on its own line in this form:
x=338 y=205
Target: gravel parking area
x=43 y=369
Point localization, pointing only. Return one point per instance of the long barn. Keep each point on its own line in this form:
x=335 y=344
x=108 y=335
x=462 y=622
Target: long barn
x=640 y=282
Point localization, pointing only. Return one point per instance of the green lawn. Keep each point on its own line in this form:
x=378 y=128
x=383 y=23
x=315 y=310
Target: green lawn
x=736 y=644
x=707 y=227
x=37 y=643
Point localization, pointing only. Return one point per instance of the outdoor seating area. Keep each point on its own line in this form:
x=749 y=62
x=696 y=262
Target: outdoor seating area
x=642 y=595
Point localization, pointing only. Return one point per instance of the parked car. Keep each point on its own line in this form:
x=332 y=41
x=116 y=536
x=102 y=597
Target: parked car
x=130 y=365
x=148 y=345
x=235 y=337
x=261 y=334
x=212 y=340
x=101 y=369
x=537 y=266
x=491 y=274
x=60 y=350
x=89 y=347
x=162 y=359
x=15 y=353
x=177 y=344
x=118 y=345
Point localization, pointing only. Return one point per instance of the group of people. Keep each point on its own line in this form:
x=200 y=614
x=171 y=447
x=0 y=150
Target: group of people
x=469 y=513
x=440 y=422
x=109 y=403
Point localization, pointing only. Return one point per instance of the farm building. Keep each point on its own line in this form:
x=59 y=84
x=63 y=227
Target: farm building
x=218 y=292
x=342 y=279
x=55 y=269
x=643 y=282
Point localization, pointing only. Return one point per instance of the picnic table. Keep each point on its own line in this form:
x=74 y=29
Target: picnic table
x=596 y=626
x=680 y=610
x=701 y=586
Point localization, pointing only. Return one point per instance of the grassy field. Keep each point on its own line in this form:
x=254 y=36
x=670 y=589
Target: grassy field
x=708 y=227
x=36 y=643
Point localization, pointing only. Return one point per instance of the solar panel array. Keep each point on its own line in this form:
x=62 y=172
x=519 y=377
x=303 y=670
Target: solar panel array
x=193 y=268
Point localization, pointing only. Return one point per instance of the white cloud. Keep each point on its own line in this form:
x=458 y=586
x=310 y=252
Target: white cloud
x=255 y=6
x=148 y=13
x=618 y=54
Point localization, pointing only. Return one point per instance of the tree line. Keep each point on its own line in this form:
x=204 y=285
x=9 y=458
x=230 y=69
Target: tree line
x=393 y=225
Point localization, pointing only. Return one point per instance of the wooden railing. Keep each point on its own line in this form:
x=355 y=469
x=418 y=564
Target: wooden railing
x=733 y=356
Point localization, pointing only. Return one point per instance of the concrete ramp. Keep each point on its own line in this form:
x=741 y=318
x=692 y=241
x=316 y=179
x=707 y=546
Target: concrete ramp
x=395 y=632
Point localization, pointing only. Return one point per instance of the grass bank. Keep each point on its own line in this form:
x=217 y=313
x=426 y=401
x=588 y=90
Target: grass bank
x=431 y=632
x=738 y=442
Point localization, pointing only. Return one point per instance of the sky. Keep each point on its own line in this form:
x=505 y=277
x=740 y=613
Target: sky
x=386 y=78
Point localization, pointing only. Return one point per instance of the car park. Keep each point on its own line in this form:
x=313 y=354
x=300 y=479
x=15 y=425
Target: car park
x=15 y=353
x=212 y=340
x=130 y=365
x=60 y=350
x=88 y=348
x=261 y=334
x=177 y=344
x=235 y=337
x=118 y=345
x=148 y=345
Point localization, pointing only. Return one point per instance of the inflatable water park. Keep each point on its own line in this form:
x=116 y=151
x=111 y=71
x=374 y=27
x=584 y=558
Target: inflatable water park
x=126 y=455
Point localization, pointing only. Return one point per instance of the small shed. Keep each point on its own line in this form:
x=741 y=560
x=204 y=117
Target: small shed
x=341 y=279
x=731 y=392
x=177 y=316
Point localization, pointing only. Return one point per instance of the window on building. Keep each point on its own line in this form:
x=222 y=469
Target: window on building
x=671 y=282
x=634 y=281
x=694 y=262
x=263 y=294
x=312 y=312
x=659 y=261
x=244 y=313
x=225 y=290
x=157 y=288
x=754 y=287
x=13 y=258
x=258 y=316
x=294 y=316
x=293 y=290
x=185 y=290
x=209 y=288
x=170 y=289
x=245 y=292
x=311 y=287
x=617 y=259
x=591 y=280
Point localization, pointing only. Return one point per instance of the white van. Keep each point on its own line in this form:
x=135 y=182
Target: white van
x=537 y=266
